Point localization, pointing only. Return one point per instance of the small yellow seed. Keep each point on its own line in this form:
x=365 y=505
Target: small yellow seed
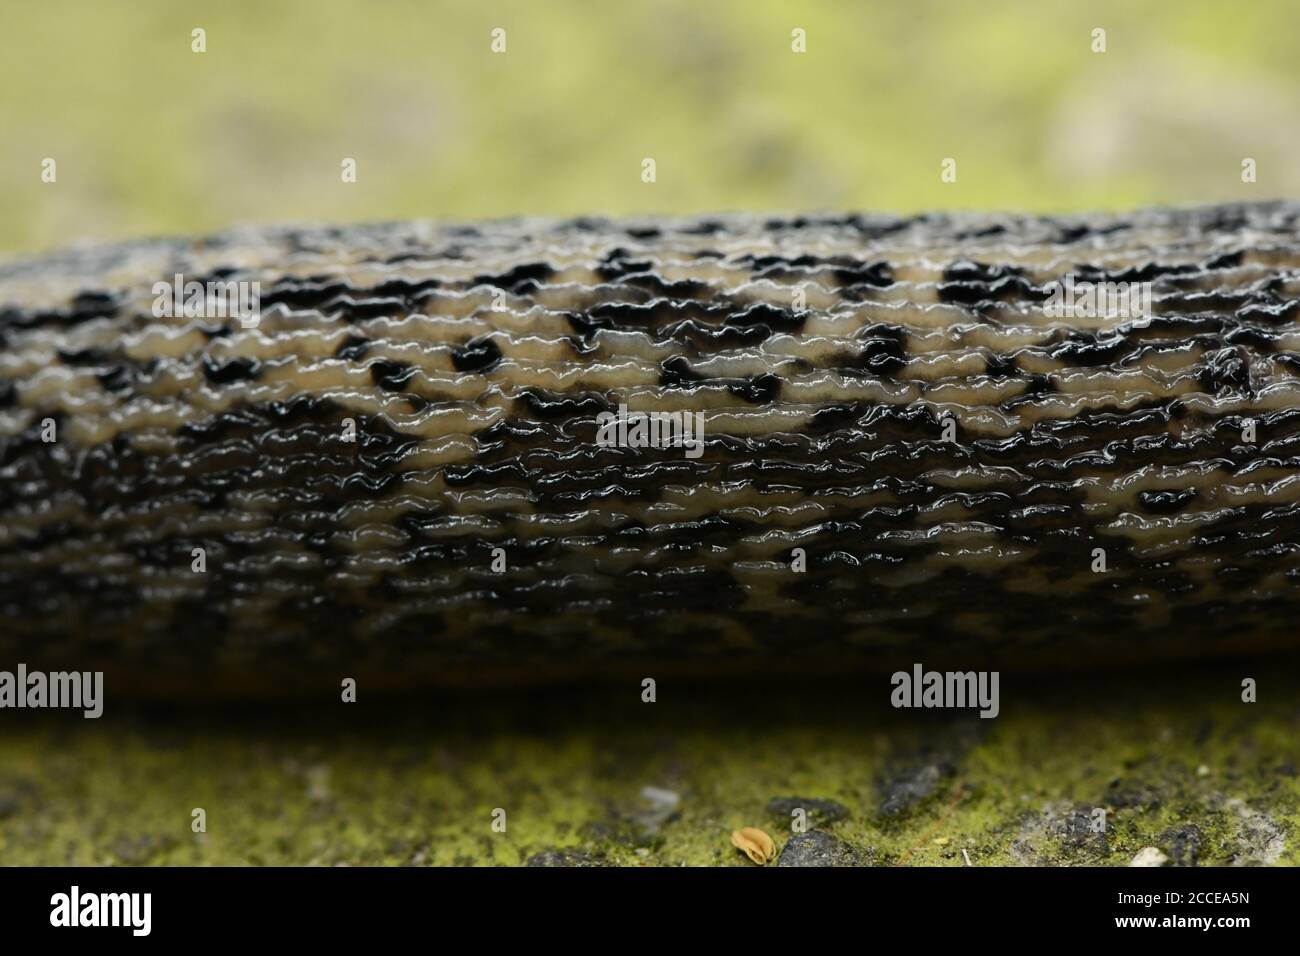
x=755 y=844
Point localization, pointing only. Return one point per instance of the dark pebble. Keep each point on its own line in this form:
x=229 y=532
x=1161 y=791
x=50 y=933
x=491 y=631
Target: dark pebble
x=906 y=789
x=1182 y=844
x=820 y=812
x=818 y=849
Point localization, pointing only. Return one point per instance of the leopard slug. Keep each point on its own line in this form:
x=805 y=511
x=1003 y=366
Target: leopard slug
x=404 y=467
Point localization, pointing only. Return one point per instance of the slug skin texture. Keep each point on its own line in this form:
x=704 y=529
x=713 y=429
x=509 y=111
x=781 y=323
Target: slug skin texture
x=912 y=447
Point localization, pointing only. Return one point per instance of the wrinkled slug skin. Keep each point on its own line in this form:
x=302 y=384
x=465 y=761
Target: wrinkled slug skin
x=475 y=359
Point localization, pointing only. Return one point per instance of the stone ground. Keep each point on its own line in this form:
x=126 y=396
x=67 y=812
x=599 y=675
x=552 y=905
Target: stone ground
x=1176 y=761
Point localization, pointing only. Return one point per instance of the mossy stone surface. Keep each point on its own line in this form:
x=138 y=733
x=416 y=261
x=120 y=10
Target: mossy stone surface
x=1176 y=761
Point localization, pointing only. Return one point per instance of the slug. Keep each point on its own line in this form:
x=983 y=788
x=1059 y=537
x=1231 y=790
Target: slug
x=545 y=448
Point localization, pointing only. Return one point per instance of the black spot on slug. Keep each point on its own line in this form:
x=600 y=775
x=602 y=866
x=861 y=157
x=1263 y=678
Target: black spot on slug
x=759 y=390
x=558 y=405
x=587 y=325
x=91 y=305
x=883 y=351
x=1071 y=233
x=985 y=232
x=235 y=370
x=875 y=274
x=675 y=372
x=1260 y=339
x=350 y=308
x=617 y=263
x=1039 y=385
x=1147 y=272
x=1087 y=350
x=763 y=315
x=1009 y=288
x=968 y=270
x=1224 y=219
x=406 y=257
x=519 y=278
x=391 y=376
x=999 y=367
x=115 y=379
x=410 y=289
x=681 y=289
x=834 y=416
x=1274 y=313
x=477 y=355
x=1225 y=369
x=303 y=294
x=1166 y=502
x=353 y=348
x=83 y=357
x=1229 y=260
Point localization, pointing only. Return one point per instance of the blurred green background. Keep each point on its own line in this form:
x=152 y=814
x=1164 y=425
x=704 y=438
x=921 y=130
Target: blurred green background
x=151 y=138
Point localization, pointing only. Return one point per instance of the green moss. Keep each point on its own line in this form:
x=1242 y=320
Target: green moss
x=152 y=138
x=417 y=782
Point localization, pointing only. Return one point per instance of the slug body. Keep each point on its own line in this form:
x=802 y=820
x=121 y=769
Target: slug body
x=891 y=439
